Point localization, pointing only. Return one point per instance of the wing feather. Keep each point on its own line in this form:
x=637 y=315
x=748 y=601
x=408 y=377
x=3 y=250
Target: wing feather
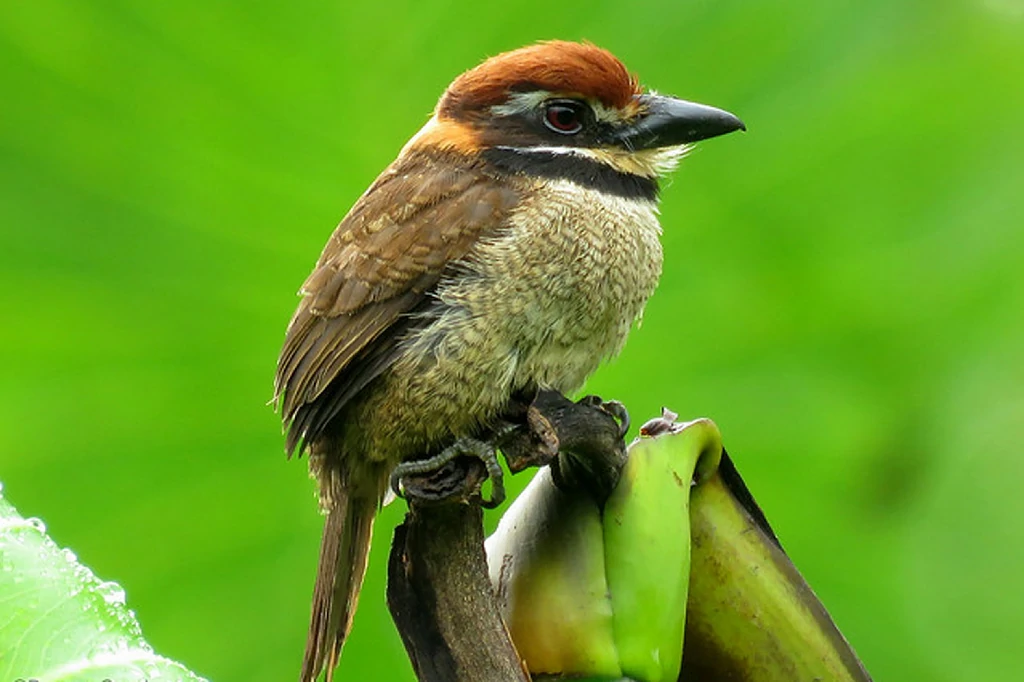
x=423 y=214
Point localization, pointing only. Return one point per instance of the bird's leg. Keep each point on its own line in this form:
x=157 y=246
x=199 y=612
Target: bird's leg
x=473 y=447
x=612 y=407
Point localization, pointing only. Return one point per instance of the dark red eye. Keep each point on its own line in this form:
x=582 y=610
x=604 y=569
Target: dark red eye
x=564 y=117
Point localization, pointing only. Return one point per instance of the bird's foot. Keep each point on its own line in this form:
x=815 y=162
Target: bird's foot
x=612 y=407
x=528 y=440
x=471 y=447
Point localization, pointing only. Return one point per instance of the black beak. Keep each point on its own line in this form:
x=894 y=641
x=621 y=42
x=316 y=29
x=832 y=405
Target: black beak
x=668 y=122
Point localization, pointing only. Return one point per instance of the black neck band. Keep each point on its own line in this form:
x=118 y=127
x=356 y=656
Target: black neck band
x=578 y=169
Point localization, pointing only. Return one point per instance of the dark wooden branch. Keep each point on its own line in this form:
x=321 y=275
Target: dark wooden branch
x=439 y=591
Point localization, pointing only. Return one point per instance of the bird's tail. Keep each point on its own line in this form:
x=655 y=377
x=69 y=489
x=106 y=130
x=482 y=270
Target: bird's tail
x=344 y=550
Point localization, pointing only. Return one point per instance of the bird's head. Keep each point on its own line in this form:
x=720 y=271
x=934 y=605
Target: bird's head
x=568 y=100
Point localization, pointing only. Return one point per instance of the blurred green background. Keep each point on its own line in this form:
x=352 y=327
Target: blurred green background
x=844 y=293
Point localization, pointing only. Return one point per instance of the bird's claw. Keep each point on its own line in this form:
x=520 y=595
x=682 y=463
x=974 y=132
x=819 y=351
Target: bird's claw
x=472 y=447
x=612 y=407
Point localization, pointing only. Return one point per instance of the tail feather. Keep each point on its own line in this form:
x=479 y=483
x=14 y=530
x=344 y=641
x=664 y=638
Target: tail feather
x=344 y=551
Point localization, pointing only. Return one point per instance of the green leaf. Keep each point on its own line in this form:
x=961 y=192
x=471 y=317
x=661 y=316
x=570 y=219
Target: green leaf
x=59 y=622
x=548 y=565
x=647 y=547
x=595 y=594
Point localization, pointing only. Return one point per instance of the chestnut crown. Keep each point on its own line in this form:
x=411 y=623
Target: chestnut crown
x=558 y=66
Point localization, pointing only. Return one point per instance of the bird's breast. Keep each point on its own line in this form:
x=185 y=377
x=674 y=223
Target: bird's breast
x=558 y=288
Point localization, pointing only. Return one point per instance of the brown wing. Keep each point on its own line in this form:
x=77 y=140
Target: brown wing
x=423 y=213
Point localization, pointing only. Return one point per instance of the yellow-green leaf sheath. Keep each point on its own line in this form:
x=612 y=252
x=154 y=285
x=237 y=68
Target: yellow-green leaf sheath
x=603 y=595
x=647 y=548
x=546 y=562
x=750 y=615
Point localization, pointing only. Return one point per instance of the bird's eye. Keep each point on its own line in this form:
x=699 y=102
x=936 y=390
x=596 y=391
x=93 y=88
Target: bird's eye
x=564 y=116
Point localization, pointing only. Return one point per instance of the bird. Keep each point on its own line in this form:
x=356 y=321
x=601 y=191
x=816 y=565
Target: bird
x=511 y=246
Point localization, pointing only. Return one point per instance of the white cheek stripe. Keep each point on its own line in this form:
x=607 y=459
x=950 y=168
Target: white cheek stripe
x=564 y=151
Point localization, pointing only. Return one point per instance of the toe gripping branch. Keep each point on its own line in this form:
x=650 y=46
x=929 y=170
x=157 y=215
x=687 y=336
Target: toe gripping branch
x=452 y=475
